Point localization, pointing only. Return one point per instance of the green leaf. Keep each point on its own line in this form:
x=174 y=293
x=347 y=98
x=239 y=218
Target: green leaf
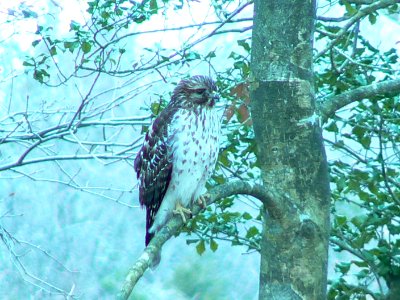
x=365 y=142
x=343 y=267
x=361 y=264
x=340 y=220
x=244 y=44
x=213 y=245
x=360 y=174
x=27 y=13
x=372 y=18
x=236 y=242
x=393 y=229
x=393 y=9
x=191 y=241
x=39 y=29
x=359 y=221
x=211 y=54
x=154 y=6
x=201 y=247
x=359 y=132
x=247 y=216
x=349 y=8
x=219 y=179
x=251 y=232
x=332 y=127
x=53 y=51
x=86 y=47
x=74 y=26
x=364 y=196
x=363 y=274
x=40 y=75
x=119 y=11
x=341 y=183
x=36 y=42
x=71 y=46
x=223 y=158
x=240 y=65
x=191 y=56
x=105 y=15
x=27 y=64
x=354 y=185
x=373 y=188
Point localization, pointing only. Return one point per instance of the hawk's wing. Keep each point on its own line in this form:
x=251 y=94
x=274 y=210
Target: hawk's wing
x=153 y=166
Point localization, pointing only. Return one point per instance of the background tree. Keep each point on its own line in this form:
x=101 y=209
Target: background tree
x=102 y=57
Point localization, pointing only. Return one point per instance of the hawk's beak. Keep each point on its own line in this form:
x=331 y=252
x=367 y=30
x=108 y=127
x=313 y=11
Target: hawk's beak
x=214 y=98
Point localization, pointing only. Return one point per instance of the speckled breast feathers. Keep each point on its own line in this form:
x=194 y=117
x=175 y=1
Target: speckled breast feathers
x=179 y=152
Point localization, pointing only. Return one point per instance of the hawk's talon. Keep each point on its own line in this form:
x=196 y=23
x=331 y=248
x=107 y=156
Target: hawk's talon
x=180 y=210
x=202 y=200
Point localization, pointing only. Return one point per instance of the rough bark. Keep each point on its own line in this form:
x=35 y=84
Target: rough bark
x=393 y=283
x=294 y=250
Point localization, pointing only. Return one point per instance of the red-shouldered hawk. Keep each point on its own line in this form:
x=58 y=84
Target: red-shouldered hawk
x=179 y=152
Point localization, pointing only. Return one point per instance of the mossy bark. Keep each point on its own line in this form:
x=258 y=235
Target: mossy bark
x=291 y=155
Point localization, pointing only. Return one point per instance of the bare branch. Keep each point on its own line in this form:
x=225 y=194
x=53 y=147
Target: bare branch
x=84 y=101
x=272 y=200
x=365 y=11
x=350 y=58
x=9 y=241
x=168 y=60
x=98 y=191
x=332 y=104
x=163 y=30
x=63 y=128
x=358 y=158
x=67 y=157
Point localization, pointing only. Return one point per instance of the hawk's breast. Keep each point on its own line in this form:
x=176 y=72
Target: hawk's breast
x=194 y=144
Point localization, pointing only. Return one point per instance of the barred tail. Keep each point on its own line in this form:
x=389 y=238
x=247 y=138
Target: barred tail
x=149 y=222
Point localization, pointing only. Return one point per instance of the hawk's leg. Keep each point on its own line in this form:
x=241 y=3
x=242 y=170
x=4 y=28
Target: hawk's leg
x=202 y=200
x=179 y=209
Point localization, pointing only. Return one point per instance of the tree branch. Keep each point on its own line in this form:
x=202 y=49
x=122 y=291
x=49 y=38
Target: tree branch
x=179 y=53
x=163 y=30
x=271 y=199
x=363 y=12
x=330 y=105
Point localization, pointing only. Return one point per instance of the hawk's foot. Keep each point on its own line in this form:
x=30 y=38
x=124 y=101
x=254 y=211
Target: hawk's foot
x=180 y=210
x=202 y=200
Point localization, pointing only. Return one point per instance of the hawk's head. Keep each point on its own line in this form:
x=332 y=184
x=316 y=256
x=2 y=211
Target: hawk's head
x=195 y=91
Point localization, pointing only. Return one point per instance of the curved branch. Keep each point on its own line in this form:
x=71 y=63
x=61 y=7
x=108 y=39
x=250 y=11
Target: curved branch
x=271 y=200
x=330 y=105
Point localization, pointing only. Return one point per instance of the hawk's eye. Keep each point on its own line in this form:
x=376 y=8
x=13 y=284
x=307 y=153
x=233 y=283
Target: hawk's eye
x=199 y=91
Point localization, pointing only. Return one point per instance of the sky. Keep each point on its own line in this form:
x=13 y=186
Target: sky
x=110 y=249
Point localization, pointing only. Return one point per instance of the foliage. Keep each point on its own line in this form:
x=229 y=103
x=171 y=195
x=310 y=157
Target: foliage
x=363 y=139
x=190 y=284
x=365 y=178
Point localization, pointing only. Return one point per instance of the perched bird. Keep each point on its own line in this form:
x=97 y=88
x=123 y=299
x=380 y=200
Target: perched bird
x=179 y=153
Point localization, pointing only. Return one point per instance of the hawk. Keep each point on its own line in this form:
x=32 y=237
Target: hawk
x=179 y=152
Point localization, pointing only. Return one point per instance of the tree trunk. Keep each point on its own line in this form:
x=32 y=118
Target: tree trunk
x=294 y=249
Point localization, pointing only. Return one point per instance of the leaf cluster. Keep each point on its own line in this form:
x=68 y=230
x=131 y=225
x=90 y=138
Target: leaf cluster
x=364 y=169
